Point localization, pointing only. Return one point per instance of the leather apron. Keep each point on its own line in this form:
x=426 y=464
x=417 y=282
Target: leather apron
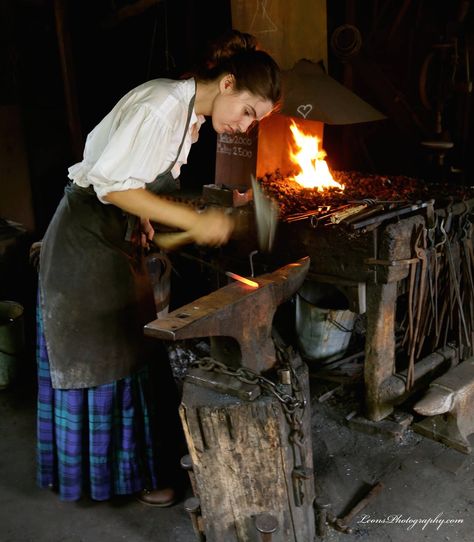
x=96 y=295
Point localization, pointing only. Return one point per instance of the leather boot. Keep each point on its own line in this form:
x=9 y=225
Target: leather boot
x=160 y=498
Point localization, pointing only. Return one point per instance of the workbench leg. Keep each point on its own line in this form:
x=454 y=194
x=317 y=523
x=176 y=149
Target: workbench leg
x=379 y=346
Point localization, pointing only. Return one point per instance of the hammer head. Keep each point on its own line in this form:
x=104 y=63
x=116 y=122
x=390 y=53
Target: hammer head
x=266 y=216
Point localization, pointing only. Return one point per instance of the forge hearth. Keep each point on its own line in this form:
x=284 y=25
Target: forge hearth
x=390 y=190
x=404 y=260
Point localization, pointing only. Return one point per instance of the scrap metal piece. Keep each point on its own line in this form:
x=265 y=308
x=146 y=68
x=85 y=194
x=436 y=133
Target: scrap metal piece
x=374 y=491
x=342 y=524
x=386 y=427
x=224 y=384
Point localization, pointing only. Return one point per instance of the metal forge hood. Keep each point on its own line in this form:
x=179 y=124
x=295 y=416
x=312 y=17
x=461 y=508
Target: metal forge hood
x=311 y=94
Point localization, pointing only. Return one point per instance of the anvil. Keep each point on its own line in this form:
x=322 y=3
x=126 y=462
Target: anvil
x=242 y=312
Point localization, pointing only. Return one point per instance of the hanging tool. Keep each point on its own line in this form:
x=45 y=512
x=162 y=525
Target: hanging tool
x=416 y=301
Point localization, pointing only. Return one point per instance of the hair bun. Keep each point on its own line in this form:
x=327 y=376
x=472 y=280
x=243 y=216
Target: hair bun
x=230 y=44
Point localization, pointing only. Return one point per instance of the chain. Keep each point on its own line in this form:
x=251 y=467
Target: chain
x=293 y=404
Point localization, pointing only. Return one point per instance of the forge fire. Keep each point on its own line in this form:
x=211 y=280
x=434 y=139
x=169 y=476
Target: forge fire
x=312 y=184
x=293 y=198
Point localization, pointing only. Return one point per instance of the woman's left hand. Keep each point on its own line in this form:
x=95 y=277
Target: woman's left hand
x=147 y=231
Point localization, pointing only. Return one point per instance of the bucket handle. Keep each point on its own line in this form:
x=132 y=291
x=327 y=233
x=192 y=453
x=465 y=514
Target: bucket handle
x=339 y=326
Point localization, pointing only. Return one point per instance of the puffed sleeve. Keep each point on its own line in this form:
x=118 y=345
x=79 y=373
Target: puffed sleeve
x=137 y=151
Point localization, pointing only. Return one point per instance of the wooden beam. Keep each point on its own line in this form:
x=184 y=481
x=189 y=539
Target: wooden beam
x=67 y=68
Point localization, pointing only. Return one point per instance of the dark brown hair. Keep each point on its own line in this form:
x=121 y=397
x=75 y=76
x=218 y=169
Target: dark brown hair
x=254 y=70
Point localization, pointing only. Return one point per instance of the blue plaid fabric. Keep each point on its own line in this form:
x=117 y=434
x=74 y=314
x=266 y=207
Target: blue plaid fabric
x=97 y=440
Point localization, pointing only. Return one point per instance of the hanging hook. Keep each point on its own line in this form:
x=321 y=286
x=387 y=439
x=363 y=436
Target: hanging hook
x=251 y=255
x=444 y=237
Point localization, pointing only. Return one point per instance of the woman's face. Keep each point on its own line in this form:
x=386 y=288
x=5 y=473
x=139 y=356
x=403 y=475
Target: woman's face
x=234 y=111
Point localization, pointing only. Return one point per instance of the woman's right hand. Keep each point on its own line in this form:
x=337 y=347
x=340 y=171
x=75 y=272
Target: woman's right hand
x=212 y=227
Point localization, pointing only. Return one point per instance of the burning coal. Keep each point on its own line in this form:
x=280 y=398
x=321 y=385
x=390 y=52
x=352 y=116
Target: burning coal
x=294 y=198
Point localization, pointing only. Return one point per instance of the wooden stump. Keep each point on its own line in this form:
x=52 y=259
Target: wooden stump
x=243 y=464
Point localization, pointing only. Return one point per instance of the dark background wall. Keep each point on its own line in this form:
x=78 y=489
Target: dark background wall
x=110 y=51
x=113 y=45
x=412 y=60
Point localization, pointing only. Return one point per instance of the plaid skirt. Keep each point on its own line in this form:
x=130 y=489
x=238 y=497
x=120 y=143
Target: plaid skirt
x=100 y=441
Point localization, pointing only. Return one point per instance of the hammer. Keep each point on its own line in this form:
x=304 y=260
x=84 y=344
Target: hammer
x=266 y=218
x=342 y=524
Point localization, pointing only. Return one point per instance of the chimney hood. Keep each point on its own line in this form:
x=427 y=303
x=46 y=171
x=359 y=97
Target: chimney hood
x=309 y=93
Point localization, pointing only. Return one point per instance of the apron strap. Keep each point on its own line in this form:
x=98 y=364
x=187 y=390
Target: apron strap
x=133 y=220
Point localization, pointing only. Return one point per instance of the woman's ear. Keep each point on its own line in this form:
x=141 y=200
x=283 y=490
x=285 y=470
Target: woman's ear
x=227 y=83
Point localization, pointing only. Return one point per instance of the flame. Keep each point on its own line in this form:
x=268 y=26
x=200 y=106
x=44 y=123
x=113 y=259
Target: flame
x=311 y=161
x=248 y=282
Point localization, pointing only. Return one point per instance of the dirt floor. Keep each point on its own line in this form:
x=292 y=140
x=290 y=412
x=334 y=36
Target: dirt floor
x=427 y=494
x=428 y=488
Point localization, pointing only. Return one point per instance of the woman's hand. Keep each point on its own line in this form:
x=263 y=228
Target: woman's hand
x=212 y=227
x=147 y=231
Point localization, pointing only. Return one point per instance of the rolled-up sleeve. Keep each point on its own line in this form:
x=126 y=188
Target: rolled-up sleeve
x=137 y=151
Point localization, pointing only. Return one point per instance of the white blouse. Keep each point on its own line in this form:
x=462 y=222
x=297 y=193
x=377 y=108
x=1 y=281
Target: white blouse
x=139 y=138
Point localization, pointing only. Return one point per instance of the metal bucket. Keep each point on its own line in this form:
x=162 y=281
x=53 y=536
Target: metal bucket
x=12 y=341
x=323 y=322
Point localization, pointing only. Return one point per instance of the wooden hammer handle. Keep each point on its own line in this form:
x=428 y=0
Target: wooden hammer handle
x=172 y=240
